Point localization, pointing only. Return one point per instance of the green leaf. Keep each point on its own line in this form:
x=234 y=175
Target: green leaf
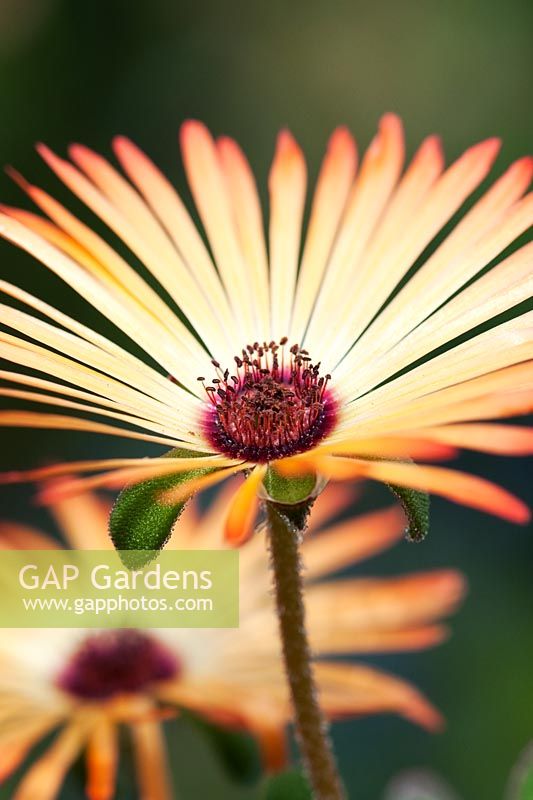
x=288 y=786
x=521 y=783
x=289 y=490
x=416 y=507
x=238 y=752
x=141 y=522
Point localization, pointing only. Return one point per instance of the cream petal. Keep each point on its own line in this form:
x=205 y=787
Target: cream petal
x=505 y=286
x=501 y=393
x=46 y=399
x=171 y=211
x=138 y=326
x=373 y=187
x=384 y=259
x=140 y=229
x=499 y=347
x=493 y=223
x=248 y=216
x=29 y=355
x=209 y=189
x=144 y=375
x=33 y=419
x=329 y=201
x=287 y=183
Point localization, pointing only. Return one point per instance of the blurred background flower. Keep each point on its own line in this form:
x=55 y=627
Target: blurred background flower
x=88 y=684
x=87 y=71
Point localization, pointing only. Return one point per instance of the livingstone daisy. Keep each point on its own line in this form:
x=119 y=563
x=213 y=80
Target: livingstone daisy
x=84 y=684
x=344 y=350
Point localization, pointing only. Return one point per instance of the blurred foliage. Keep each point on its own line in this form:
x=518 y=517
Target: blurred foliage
x=289 y=786
x=521 y=781
x=86 y=71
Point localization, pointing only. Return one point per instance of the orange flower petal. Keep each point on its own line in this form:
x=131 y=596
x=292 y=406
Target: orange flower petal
x=83 y=520
x=199 y=484
x=488 y=438
x=378 y=604
x=267 y=725
x=149 y=467
x=468 y=490
x=348 y=642
x=242 y=513
x=14 y=536
x=43 y=780
x=391 y=447
x=151 y=761
x=351 y=541
x=102 y=762
x=347 y=689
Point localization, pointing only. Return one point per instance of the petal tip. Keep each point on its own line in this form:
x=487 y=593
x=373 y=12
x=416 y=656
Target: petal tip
x=342 y=145
x=121 y=143
x=17 y=177
x=489 y=148
x=391 y=122
x=192 y=129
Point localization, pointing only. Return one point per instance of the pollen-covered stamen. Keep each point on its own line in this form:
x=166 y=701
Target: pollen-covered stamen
x=115 y=663
x=275 y=404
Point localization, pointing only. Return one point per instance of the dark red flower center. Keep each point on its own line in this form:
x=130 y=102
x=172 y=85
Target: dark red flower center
x=118 y=662
x=275 y=404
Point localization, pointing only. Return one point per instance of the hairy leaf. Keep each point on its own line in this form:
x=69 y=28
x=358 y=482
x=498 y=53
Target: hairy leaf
x=416 y=507
x=141 y=522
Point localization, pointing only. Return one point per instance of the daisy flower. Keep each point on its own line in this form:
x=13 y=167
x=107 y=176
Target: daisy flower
x=368 y=339
x=84 y=685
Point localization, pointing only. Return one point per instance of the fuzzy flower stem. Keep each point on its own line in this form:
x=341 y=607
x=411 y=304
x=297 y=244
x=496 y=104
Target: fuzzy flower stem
x=311 y=726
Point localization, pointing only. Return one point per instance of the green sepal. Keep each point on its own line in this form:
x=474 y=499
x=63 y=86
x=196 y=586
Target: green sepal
x=292 y=496
x=289 y=490
x=237 y=752
x=288 y=786
x=416 y=507
x=141 y=522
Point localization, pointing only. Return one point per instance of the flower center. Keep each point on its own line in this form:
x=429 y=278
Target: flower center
x=275 y=405
x=115 y=663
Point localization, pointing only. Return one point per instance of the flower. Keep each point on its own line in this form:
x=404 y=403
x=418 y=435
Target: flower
x=86 y=684
x=370 y=349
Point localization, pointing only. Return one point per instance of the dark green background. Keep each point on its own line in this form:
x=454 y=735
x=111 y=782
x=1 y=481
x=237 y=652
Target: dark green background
x=88 y=70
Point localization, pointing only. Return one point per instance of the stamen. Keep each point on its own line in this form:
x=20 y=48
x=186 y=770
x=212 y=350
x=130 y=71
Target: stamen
x=275 y=405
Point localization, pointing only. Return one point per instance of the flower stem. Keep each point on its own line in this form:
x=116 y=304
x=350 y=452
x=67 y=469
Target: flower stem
x=311 y=726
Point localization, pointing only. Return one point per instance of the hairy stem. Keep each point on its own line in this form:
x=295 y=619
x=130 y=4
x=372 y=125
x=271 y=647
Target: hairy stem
x=311 y=726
